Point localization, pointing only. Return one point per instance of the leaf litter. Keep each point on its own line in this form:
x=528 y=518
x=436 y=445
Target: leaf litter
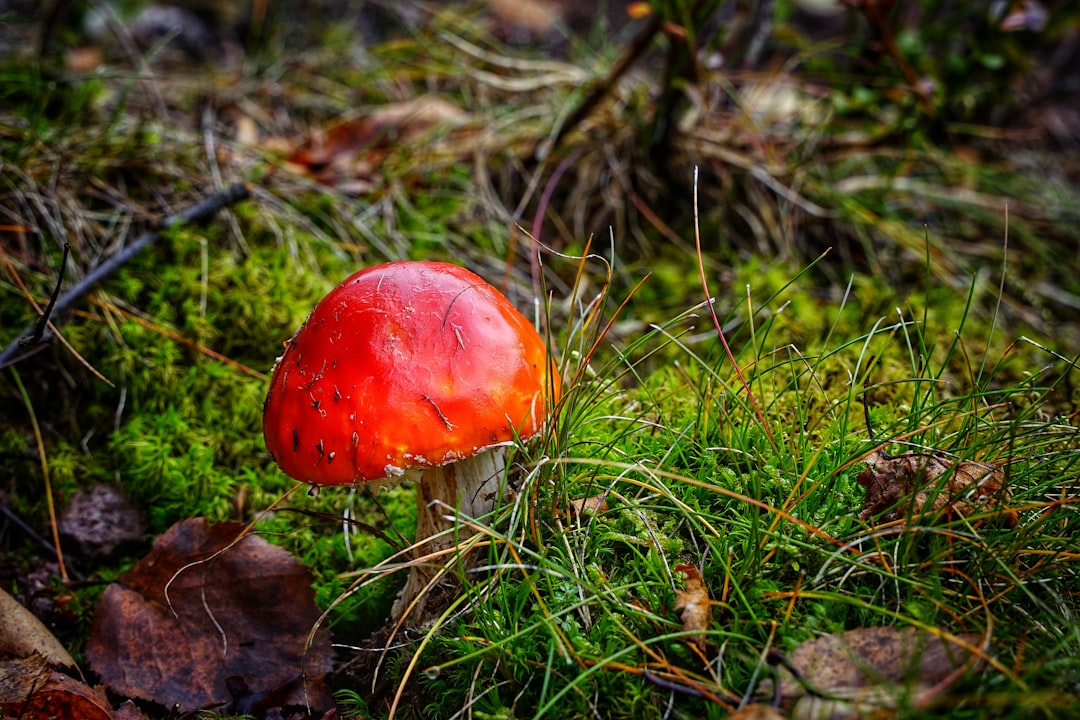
x=34 y=667
x=871 y=669
x=347 y=154
x=592 y=505
x=23 y=635
x=695 y=605
x=30 y=690
x=930 y=484
x=213 y=618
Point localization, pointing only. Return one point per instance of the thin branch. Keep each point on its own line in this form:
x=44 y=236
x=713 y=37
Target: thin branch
x=43 y=321
x=600 y=90
x=200 y=211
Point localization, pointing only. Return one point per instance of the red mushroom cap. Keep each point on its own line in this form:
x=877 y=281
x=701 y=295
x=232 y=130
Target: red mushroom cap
x=402 y=365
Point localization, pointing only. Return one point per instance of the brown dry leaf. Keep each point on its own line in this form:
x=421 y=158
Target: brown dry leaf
x=902 y=485
x=231 y=634
x=349 y=152
x=23 y=635
x=18 y=678
x=64 y=697
x=694 y=602
x=865 y=669
x=128 y=710
x=31 y=691
x=592 y=505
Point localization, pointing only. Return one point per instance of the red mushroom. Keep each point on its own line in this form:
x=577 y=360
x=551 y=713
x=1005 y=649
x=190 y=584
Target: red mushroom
x=416 y=369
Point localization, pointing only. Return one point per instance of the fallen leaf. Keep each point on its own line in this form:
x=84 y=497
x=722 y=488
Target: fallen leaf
x=877 y=702
x=52 y=694
x=350 y=152
x=206 y=620
x=917 y=483
x=23 y=635
x=856 y=672
x=18 y=679
x=588 y=506
x=128 y=710
x=695 y=605
x=64 y=697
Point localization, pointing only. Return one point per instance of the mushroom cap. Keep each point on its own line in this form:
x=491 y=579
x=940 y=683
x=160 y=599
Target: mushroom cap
x=402 y=365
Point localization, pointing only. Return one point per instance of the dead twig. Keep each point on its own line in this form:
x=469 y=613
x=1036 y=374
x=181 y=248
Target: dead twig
x=599 y=91
x=34 y=336
x=43 y=321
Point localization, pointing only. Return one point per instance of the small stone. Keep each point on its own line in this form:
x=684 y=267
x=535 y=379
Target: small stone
x=100 y=521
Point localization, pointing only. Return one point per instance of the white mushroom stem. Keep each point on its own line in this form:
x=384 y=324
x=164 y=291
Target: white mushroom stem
x=448 y=498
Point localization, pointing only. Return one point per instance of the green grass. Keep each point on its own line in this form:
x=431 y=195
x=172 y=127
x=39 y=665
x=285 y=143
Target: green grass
x=579 y=608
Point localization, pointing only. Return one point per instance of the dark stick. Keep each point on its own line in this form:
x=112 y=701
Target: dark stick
x=668 y=685
x=43 y=321
x=14 y=519
x=600 y=90
x=9 y=515
x=202 y=210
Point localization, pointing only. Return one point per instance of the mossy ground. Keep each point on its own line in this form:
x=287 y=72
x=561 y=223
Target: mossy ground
x=901 y=294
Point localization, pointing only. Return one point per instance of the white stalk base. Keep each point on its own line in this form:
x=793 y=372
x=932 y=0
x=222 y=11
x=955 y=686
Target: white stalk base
x=447 y=499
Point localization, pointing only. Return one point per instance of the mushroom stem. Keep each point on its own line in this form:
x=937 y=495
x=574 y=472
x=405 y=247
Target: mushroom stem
x=445 y=495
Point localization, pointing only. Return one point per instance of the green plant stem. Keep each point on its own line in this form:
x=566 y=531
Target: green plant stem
x=44 y=471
